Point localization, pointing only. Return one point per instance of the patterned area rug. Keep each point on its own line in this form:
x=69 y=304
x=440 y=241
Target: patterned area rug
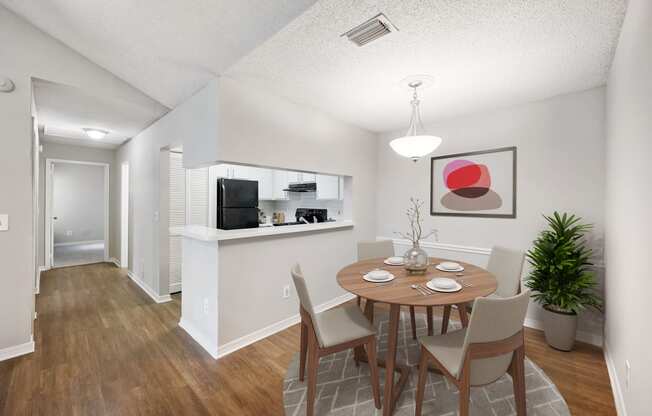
x=344 y=389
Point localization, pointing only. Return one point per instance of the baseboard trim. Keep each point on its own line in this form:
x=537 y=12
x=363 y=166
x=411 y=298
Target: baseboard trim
x=150 y=292
x=619 y=399
x=115 y=261
x=272 y=329
x=175 y=287
x=76 y=243
x=582 y=336
x=195 y=334
x=440 y=246
x=41 y=269
x=17 y=350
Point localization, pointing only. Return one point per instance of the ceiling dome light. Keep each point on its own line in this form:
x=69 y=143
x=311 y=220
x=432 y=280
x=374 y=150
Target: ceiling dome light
x=96 y=134
x=415 y=144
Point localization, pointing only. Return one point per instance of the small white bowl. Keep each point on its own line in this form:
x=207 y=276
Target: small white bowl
x=449 y=265
x=443 y=283
x=394 y=260
x=377 y=274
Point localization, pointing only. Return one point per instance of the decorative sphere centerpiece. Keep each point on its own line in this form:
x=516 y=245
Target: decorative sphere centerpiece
x=416 y=259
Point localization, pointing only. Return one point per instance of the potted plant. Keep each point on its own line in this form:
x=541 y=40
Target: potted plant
x=561 y=277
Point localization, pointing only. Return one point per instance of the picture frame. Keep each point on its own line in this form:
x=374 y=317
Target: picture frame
x=474 y=184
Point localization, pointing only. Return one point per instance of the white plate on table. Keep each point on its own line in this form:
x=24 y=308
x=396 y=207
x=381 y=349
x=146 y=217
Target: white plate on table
x=387 y=278
x=394 y=261
x=456 y=288
x=445 y=269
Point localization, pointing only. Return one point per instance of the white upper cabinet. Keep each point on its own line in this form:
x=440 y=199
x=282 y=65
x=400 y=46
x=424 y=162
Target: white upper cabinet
x=293 y=177
x=265 y=178
x=300 y=177
x=221 y=171
x=281 y=182
x=328 y=186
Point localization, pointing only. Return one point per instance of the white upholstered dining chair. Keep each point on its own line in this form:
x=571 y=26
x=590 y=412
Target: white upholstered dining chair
x=480 y=354
x=384 y=249
x=506 y=265
x=329 y=332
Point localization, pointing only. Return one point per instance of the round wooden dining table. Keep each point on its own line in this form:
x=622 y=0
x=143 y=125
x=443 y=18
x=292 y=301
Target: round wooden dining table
x=476 y=282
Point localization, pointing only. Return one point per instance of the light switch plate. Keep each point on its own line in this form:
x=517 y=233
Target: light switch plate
x=4 y=222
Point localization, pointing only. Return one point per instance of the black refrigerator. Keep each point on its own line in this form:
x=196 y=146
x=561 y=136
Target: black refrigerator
x=237 y=204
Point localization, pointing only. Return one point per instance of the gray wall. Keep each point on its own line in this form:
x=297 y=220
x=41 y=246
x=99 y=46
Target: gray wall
x=83 y=154
x=77 y=203
x=560 y=145
x=31 y=53
x=629 y=198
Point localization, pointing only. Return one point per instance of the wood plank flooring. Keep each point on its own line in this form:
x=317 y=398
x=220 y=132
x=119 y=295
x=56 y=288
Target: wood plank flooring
x=104 y=348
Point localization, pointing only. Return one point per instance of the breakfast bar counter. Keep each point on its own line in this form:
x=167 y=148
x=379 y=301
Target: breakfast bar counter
x=202 y=233
x=230 y=276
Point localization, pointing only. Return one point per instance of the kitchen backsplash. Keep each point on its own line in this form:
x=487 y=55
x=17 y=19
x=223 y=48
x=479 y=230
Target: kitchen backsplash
x=301 y=200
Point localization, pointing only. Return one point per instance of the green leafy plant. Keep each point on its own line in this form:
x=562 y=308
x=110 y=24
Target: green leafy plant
x=561 y=278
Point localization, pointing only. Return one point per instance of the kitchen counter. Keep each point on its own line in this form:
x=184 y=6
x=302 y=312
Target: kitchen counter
x=202 y=233
x=231 y=270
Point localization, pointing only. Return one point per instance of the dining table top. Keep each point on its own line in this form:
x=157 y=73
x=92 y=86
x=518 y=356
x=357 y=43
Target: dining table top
x=476 y=282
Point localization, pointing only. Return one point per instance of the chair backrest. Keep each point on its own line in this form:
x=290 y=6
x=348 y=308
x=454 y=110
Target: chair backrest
x=304 y=297
x=507 y=265
x=493 y=320
x=375 y=249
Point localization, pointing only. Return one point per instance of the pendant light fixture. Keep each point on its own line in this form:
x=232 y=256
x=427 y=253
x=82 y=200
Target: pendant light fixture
x=415 y=144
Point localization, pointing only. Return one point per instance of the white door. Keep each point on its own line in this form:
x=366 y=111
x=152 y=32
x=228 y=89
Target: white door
x=176 y=218
x=124 y=217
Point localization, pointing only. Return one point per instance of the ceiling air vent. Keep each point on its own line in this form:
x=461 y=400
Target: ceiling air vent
x=374 y=28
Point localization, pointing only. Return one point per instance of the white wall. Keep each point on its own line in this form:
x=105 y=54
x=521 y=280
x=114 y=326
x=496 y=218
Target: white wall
x=194 y=120
x=560 y=145
x=78 y=203
x=30 y=53
x=629 y=224
x=83 y=154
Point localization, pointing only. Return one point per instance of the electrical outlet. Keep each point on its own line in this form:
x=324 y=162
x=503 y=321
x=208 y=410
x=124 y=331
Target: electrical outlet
x=205 y=306
x=286 y=292
x=69 y=233
x=628 y=374
x=4 y=222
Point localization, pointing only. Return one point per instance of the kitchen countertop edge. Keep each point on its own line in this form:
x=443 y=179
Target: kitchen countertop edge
x=203 y=233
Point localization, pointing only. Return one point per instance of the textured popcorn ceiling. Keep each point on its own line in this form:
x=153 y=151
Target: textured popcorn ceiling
x=167 y=49
x=483 y=54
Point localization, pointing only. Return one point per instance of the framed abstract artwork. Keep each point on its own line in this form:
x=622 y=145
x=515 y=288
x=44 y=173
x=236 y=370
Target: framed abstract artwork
x=474 y=184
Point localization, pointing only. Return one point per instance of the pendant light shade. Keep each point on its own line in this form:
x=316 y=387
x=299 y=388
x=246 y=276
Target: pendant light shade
x=415 y=144
x=415 y=147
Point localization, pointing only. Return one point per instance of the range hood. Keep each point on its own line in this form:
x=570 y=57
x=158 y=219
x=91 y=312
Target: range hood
x=302 y=187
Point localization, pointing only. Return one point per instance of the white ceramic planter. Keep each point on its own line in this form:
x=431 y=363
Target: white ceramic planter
x=560 y=329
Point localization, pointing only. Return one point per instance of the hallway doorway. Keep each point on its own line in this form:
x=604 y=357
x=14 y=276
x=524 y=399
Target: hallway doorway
x=77 y=213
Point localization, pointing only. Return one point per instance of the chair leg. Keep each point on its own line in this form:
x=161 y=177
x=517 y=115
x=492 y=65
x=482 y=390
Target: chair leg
x=421 y=385
x=445 y=319
x=313 y=364
x=373 y=368
x=518 y=378
x=359 y=300
x=465 y=389
x=413 y=321
x=429 y=319
x=304 y=351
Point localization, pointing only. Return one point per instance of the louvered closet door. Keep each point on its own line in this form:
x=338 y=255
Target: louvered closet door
x=177 y=218
x=197 y=196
